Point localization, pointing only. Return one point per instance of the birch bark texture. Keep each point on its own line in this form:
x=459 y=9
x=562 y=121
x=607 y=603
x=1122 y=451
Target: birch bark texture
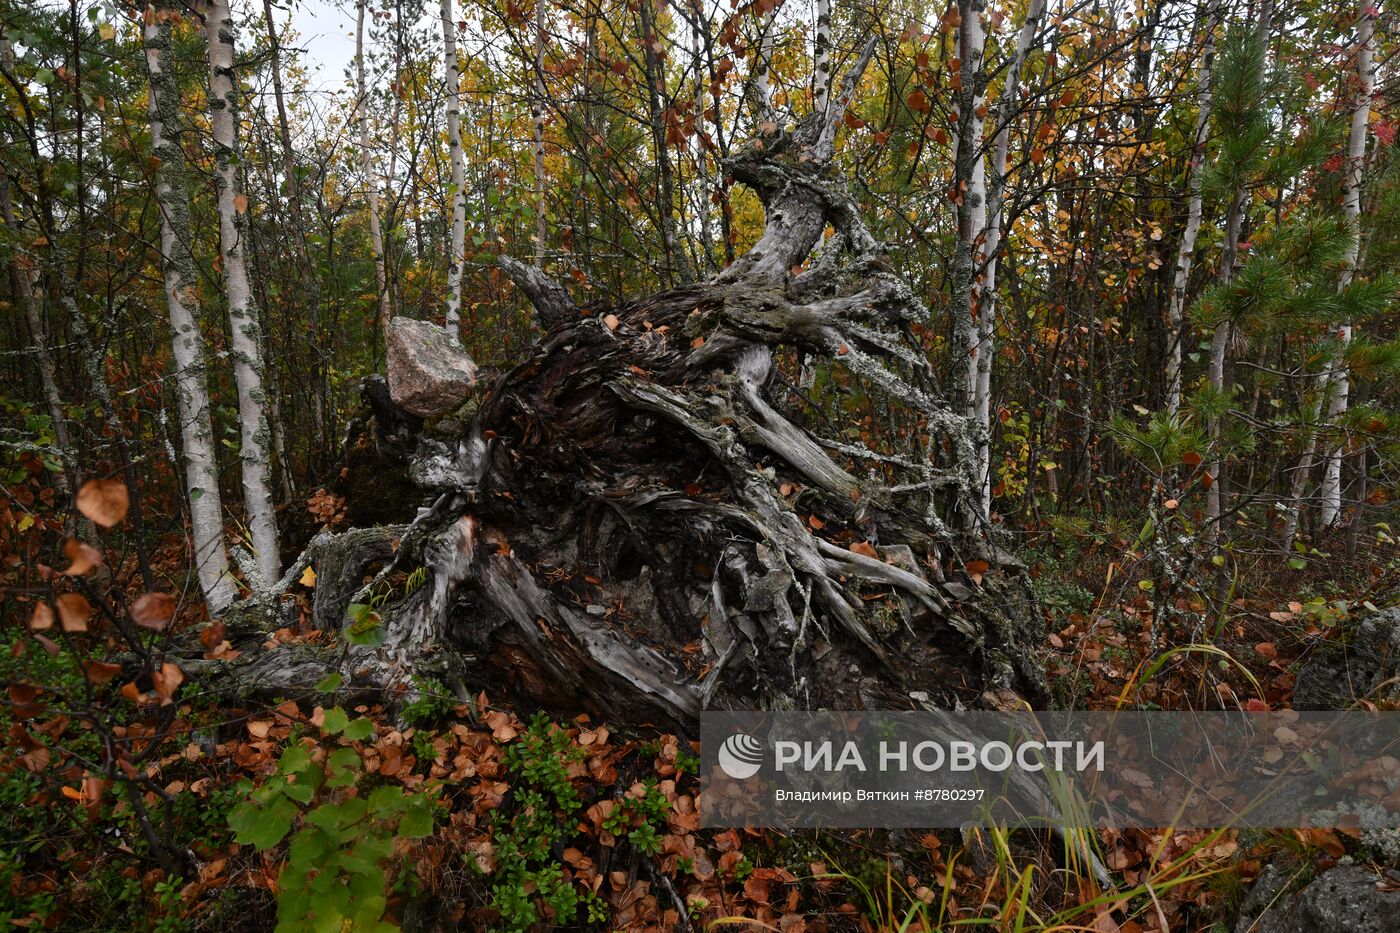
x=706 y=264
x=1337 y=378
x=1186 y=251
x=376 y=234
x=458 y=247
x=981 y=373
x=245 y=329
x=970 y=182
x=821 y=59
x=187 y=343
x=762 y=76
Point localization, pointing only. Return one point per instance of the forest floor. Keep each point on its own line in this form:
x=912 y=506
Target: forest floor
x=484 y=817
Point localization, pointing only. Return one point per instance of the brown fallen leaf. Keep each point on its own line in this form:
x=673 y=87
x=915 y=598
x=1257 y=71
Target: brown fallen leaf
x=74 y=611
x=100 y=672
x=42 y=618
x=166 y=680
x=104 y=501
x=81 y=557
x=153 y=610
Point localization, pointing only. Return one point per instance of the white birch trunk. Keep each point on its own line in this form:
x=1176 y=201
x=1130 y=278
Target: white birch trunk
x=457 y=259
x=1185 y=254
x=970 y=177
x=702 y=166
x=187 y=344
x=376 y=234
x=1338 y=382
x=821 y=64
x=762 y=79
x=245 y=347
x=991 y=247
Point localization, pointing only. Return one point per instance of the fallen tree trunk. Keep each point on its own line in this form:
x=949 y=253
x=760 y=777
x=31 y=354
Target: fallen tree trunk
x=640 y=519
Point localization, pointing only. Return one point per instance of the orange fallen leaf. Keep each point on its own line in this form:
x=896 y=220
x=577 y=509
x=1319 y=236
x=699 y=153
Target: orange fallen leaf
x=100 y=672
x=42 y=618
x=104 y=501
x=166 y=680
x=81 y=557
x=73 y=612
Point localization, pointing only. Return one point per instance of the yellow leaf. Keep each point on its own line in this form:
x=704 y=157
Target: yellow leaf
x=240 y=203
x=107 y=31
x=308 y=577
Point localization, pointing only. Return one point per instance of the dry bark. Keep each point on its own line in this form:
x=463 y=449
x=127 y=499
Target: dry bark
x=623 y=522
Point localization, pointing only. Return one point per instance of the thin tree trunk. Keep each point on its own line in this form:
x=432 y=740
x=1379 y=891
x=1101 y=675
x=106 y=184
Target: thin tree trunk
x=762 y=79
x=1220 y=340
x=245 y=328
x=665 y=187
x=1176 y=306
x=970 y=181
x=457 y=257
x=1338 y=383
x=537 y=125
x=1219 y=344
x=821 y=64
x=294 y=202
x=702 y=166
x=376 y=234
x=996 y=202
x=289 y=167
x=187 y=344
x=66 y=274
x=23 y=269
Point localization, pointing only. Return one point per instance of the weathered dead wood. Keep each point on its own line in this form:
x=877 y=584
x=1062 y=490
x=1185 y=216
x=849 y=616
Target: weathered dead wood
x=640 y=518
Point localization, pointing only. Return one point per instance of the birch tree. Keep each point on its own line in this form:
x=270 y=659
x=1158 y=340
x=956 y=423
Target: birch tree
x=458 y=246
x=187 y=343
x=371 y=180
x=980 y=373
x=970 y=184
x=245 y=327
x=702 y=168
x=821 y=59
x=1186 y=251
x=1336 y=378
x=763 y=69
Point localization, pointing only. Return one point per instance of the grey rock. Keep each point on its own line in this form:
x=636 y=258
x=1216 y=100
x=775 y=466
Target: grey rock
x=429 y=375
x=1336 y=675
x=1265 y=906
x=1347 y=898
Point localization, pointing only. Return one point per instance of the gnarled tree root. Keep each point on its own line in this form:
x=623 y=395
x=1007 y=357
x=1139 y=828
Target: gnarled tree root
x=640 y=517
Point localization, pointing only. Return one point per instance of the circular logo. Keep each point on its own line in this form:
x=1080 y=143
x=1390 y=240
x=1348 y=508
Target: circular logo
x=741 y=756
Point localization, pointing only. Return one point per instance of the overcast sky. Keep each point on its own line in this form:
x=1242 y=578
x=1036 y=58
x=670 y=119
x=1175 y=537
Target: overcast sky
x=327 y=34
